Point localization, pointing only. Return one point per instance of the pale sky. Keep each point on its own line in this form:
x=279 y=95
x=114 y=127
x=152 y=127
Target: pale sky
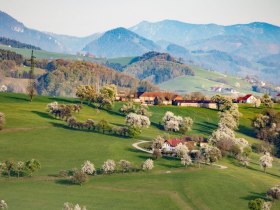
x=85 y=17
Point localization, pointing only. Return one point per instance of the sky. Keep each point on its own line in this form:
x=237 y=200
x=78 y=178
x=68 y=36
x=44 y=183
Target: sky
x=85 y=17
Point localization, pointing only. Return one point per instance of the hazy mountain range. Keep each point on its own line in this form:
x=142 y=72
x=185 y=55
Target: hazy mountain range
x=240 y=49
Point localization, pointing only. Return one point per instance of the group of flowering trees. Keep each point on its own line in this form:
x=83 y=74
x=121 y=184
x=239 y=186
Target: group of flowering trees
x=104 y=98
x=2 y=120
x=175 y=123
x=19 y=168
x=137 y=118
x=79 y=176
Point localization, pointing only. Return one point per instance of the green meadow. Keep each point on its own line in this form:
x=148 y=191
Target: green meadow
x=30 y=132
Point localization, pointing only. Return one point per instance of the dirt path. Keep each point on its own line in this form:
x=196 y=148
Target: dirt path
x=136 y=145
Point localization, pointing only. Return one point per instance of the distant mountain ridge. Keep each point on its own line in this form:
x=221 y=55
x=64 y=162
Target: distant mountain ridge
x=239 y=49
x=120 y=42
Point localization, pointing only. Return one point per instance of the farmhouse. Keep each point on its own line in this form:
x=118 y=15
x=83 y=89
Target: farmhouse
x=165 y=98
x=249 y=99
x=196 y=103
x=169 y=145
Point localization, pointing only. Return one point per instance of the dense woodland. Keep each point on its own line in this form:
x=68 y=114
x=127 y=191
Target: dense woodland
x=158 y=68
x=67 y=76
x=17 y=44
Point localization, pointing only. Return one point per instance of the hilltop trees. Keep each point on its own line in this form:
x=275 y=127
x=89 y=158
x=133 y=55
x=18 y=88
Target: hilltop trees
x=104 y=98
x=2 y=120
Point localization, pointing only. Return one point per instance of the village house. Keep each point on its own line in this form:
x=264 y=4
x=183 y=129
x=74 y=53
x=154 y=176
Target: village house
x=249 y=99
x=165 y=98
x=196 y=103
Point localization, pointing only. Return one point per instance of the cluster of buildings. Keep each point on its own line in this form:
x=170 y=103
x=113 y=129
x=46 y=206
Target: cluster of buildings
x=167 y=98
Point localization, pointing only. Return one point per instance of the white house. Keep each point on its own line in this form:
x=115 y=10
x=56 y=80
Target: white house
x=249 y=99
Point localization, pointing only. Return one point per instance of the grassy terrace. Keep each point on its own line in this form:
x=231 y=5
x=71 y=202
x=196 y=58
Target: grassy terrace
x=31 y=133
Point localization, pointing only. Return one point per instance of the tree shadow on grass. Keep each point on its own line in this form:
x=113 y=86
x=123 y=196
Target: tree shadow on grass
x=17 y=98
x=254 y=195
x=63 y=100
x=64 y=182
x=42 y=114
x=246 y=131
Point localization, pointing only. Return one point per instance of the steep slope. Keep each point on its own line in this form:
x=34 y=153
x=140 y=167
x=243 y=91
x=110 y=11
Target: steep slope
x=120 y=42
x=157 y=67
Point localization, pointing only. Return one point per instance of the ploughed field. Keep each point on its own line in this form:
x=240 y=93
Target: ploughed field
x=30 y=132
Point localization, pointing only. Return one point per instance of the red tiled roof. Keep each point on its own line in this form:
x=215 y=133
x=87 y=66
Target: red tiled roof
x=278 y=94
x=244 y=98
x=174 y=142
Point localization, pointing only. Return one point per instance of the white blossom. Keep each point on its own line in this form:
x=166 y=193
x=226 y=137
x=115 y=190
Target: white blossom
x=88 y=167
x=266 y=161
x=52 y=106
x=70 y=206
x=136 y=120
x=3 y=205
x=124 y=165
x=242 y=143
x=181 y=150
x=109 y=166
x=186 y=160
x=148 y=165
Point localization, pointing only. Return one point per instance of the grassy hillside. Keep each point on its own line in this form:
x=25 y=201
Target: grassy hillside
x=204 y=80
x=32 y=133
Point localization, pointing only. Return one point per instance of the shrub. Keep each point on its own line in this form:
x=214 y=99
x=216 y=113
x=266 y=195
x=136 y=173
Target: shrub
x=2 y=120
x=148 y=165
x=210 y=153
x=181 y=150
x=157 y=153
x=124 y=165
x=266 y=161
x=79 y=177
x=3 y=205
x=186 y=160
x=109 y=166
x=88 y=167
x=256 y=204
x=70 y=206
x=274 y=192
x=32 y=166
x=133 y=131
